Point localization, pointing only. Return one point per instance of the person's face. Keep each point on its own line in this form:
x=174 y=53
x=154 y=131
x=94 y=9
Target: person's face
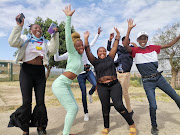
x=142 y=40
x=36 y=30
x=79 y=47
x=101 y=53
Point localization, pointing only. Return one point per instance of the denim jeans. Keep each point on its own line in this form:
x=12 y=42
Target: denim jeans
x=82 y=83
x=149 y=85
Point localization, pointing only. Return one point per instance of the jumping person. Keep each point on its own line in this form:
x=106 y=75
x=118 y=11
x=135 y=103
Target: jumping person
x=87 y=74
x=33 y=53
x=108 y=85
x=147 y=63
x=61 y=86
x=123 y=66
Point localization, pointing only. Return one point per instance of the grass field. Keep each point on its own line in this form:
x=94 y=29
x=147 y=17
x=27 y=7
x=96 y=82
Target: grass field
x=11 y=96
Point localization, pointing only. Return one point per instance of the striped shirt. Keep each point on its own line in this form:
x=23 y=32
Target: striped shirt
x=146 y=59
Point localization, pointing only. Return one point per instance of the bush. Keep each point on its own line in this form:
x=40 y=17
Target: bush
x=135 y=83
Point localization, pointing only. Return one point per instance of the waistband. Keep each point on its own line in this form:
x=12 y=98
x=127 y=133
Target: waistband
x=64 y=79
x=153 y=75
x=109 y=84
x=30 y=65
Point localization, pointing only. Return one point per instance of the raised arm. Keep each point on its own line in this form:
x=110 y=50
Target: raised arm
x=115 y=44
x=96 y=37
x=171 y=43
x=15 y=39
x=87 y=48
x=130 y=26
x=60 y=58
x=109 y=41
x=69 y=42
x=134 y=44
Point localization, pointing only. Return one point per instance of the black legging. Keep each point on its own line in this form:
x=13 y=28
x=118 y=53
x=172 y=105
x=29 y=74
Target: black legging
x=31 y=76
x=115 y=92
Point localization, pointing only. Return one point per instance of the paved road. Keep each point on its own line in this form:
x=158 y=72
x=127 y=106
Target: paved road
x=168 y=118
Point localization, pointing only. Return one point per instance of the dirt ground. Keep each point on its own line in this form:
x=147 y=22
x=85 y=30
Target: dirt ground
x=11 y=98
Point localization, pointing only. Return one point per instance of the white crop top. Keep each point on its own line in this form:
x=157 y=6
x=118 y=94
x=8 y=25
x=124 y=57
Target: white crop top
x=34 y=49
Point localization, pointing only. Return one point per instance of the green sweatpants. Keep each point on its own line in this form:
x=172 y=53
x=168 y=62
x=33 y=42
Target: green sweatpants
x=62 y=90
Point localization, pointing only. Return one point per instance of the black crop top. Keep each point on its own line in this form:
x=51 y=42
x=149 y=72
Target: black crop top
x=104 y=67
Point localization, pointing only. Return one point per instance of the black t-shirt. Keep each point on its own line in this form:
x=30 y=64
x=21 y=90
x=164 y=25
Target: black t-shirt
x=104 y=67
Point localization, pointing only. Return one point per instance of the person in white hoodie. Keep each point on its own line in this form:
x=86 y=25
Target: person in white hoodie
x=33 y=52
x=87 y=74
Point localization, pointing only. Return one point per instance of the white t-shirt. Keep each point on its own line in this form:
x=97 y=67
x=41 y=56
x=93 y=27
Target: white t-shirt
x=34 y=49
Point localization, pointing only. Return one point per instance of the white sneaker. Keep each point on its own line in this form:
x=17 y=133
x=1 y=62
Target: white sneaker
x=90 y=98
x=86 y=117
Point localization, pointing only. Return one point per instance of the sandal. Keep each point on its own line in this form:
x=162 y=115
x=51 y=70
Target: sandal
x=105 y=131
x=132 y=131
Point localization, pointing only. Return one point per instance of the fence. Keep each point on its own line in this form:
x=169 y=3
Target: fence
x=6 y=71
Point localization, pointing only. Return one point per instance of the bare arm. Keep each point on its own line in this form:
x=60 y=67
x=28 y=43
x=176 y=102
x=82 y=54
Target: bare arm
x=87 y=48
x=130 y=26
x=171 y=43
x=115 y=44
x=134 y=44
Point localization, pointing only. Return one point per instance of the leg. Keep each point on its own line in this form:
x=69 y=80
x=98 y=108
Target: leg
x=91 y=78
x=21 y=117
x=82 y=84
x=65 y=96
x=104 y=96
x=124 y=79
x=149 y=87
x=116 y=95
x=164 y=85
x=39 y=116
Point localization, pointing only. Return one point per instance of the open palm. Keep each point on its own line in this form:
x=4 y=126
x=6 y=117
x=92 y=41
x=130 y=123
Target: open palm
x=130 y=23
x=68 y=11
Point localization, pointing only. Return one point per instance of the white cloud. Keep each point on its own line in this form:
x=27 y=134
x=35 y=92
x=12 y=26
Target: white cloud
x=149 y=15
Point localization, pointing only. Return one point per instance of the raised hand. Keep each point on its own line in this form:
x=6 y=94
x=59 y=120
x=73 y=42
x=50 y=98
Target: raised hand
x=117 y=31
x=68 y=11
x=99 y=30
x=111 y=36
x=22 y=23
x=130 y=23
x=55 y=29
x=86 y=35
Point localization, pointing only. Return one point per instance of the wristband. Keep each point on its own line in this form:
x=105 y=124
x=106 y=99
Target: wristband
x=86 y=46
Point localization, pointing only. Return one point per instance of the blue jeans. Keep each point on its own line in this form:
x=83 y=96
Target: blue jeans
x=149 y=85
x=82 y=83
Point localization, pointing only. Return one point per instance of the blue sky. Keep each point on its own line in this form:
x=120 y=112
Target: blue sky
x=149 y=16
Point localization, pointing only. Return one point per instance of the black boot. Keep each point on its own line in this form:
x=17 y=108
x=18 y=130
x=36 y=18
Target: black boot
x=131 y=113
x=26 y=133
x=154 y=130
x=41 y=131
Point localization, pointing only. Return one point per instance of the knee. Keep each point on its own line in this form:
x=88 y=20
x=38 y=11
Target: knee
x=119 y=106
x=73 y=110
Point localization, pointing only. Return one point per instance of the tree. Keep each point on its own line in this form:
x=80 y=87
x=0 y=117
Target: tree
x=62 y=44
x=164 y=36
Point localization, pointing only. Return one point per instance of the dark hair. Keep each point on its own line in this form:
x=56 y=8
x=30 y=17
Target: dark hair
x=124 y=38
x=30 y=26
x=99 y=48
